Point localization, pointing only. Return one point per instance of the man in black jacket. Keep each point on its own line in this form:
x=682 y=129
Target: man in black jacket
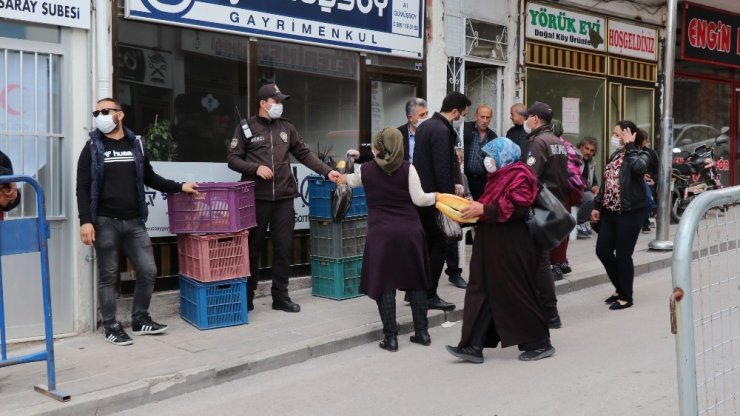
x=517 y=133
x=416 y=113
x=439 y=171
x=475 y=135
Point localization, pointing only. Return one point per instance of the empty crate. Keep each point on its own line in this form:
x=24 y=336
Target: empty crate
x=320 y=191
x=213 y=305
x=222 y=207
x=335 y=278
x=338 y=239
x=213 y=257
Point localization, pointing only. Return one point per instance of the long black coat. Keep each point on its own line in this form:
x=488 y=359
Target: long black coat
x=434 y=155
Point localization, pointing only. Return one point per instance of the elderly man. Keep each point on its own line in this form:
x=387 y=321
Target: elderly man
x=416 y=113
x=517 y=133
x=587 y=148
x=475 y=135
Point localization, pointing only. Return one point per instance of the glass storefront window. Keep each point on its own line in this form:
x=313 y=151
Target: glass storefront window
x=702 y=116
x=638 y=107
x=323 y=84
x=578 y=101
x=31 y=31
x=388 y=104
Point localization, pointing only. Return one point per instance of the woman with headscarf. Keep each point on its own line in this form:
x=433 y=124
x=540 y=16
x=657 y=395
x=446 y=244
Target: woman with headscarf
x=619 y=209
x=393 y=191
x=501 y=301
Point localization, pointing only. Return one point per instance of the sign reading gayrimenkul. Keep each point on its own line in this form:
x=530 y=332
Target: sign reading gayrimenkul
x=67 y=13
x=383 y=26
x=565 y=27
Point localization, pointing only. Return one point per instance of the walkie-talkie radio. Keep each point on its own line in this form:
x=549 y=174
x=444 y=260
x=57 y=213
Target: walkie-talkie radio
x=243 y=122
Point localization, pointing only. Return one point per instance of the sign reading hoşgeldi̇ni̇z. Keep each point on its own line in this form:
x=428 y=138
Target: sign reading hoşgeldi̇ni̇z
x=382 y=26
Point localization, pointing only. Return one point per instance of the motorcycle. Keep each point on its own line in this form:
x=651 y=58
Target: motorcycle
x=691 y=176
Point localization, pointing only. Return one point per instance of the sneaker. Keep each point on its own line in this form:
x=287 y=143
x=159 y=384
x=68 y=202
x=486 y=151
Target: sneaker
x=146 y=326
x=537 y=354
x=557 y=274
x=646 y=229
x=565 y=267
x=582 y=232
x=117 y=336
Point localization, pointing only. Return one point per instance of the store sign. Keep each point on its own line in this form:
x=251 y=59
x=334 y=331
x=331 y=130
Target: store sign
x=68 y=13
x=158 y=223
x=384 y=26
x=145 y=66
x=215 y=44
x=632 y=40
x=565 y=27
x=710 y=35
x=308 y=59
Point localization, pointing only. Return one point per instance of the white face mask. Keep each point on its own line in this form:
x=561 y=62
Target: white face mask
x=490 y=164
x=458 y=123
x=105 y=123
x=419 y=121
x=275 y=111
x=614 y=142
x=526 y=127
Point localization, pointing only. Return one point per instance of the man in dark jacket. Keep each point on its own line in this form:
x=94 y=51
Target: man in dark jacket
x=548 y=159
x=416 y=113
x=260 y=151
x=475 y=135
x=517 y=133
x=587 y=149
x=9 y=195
x=439 y=171
x=112 y=172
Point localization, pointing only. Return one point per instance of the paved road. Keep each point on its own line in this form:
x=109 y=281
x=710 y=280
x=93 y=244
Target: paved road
x=607 y=363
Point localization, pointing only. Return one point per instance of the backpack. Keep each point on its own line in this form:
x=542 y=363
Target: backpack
x=575 y=181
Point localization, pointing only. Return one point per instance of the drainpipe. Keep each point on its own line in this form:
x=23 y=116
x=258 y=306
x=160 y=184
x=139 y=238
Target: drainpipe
x=662 y=241
x=103 y=48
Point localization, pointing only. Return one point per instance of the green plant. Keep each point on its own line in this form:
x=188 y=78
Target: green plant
x=158 y=141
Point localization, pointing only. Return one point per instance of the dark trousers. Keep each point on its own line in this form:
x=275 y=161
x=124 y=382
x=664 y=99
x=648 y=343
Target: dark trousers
x=280 y=217
x=476 y=184
x=436 y=246
x=618 y=234
x=587 y=205
x=387 y=310
x=546 y=287
x=452 y=258
x=111 y=236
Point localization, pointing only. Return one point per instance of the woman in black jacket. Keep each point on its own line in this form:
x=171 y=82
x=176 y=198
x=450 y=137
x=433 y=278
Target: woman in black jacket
x=620 y=209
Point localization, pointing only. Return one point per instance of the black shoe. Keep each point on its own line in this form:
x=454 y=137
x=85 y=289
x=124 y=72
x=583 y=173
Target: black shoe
x=611 y=299
x=554 y=322
x=469 y=354
x=421 y=337
x=286 y=305
x=116 y=335
x=458 y=281
x=537 y=354
x=389 y=343
x=145 y=326
x=565 y=268
x=250 y=305
x=617 y=306
x=557 y=274
x=437 y=303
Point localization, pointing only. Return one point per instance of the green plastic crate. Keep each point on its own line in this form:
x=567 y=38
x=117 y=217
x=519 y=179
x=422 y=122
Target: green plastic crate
x=338 y=240
x=336 y=278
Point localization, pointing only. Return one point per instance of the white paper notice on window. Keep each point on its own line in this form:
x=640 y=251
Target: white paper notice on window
x=571 y=115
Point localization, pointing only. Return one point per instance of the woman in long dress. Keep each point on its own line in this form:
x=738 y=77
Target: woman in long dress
x=501 y=301
x=395 y=254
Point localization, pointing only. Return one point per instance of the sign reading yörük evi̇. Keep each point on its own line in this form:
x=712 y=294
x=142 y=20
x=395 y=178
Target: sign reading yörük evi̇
x=67 y=13
x=383 y=26
x=710 y=35
x=565 y=27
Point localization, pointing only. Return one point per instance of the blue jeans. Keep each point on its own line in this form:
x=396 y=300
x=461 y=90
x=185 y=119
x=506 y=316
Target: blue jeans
x=650 y=203
x=111 y=236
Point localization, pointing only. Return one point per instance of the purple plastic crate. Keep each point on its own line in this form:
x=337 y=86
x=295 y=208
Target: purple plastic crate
x=222 y=207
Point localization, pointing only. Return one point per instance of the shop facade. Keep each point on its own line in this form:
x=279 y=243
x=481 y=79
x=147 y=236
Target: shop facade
x=593 y=70
x=707 y=85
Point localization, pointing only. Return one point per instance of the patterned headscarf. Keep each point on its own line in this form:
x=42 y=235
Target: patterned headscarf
x=389 y=143
x=503 y=151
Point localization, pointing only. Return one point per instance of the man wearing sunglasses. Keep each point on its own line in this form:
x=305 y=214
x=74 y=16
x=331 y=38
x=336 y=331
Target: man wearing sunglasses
x=10 y=196
x=112 y=173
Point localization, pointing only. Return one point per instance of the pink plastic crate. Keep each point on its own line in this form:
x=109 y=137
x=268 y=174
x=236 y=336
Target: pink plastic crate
x=213 y=257
x=222 y=207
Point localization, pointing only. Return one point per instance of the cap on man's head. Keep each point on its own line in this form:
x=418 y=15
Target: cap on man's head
x=540 y=110
x=271 y=91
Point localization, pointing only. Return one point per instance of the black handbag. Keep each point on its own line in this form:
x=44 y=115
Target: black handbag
x=549 y=222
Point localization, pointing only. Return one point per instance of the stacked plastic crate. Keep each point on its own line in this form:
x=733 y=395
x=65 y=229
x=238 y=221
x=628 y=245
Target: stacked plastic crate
x=336 y=247
x=213 y=251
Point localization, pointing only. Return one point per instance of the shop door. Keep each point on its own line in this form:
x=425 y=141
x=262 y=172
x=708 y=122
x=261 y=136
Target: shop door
x=482 y=87
x=388 y=103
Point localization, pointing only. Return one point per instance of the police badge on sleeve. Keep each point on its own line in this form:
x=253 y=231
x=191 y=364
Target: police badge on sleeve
x=531 y=160
x=284 y=136
x=234 y=142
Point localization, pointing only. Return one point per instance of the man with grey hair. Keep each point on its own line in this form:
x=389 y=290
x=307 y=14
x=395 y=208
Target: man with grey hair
x=517 y=133
x=416 y=113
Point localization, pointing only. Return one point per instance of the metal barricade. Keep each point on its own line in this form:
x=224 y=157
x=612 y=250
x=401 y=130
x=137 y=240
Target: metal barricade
x=705 y=305
x=30 y=235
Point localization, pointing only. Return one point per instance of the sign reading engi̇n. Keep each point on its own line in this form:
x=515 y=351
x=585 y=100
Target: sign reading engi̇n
x=383 y=26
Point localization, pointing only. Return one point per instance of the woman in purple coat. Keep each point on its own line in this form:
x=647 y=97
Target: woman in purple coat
x=393 y=192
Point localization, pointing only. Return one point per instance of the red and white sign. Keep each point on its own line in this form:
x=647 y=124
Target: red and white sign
x=632 y=40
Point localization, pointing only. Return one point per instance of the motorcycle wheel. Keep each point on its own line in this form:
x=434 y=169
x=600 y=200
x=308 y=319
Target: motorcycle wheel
x=676 y=210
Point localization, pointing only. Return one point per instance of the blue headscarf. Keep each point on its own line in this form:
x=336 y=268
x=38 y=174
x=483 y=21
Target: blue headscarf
x=503 y=151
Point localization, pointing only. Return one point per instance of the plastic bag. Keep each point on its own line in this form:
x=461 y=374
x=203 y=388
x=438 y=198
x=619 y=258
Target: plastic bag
x=450 y=228
x=341 y=200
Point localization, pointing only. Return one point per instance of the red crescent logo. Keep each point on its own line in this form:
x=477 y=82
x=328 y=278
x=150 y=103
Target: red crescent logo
x=4 y=100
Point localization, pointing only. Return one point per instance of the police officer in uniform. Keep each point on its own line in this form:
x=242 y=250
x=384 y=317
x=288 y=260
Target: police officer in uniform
x=260 y=151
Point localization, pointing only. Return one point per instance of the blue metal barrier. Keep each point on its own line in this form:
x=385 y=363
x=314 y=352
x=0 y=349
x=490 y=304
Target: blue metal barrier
x=30 y=235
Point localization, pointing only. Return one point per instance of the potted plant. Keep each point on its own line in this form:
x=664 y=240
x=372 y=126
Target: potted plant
x=158 y=141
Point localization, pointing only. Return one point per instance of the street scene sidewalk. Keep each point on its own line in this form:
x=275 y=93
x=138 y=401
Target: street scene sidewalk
x=102 y=378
